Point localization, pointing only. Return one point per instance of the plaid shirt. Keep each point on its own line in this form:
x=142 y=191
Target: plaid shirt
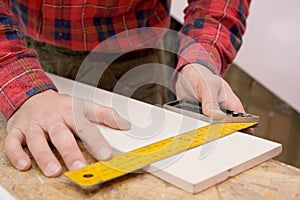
x=216 y=25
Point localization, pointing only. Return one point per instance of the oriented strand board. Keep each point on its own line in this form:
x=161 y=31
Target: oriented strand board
x=194 y=170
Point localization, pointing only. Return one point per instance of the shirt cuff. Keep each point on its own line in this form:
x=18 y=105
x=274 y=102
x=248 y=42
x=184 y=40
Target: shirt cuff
x=204 y=54
x=22 y=79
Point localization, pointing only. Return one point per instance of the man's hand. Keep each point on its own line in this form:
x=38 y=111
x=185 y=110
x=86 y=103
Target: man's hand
x=196 y=82
x=58 y=118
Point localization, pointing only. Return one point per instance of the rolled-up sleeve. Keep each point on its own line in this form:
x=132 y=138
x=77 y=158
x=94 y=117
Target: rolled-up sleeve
x=20 y=71
x=214 y=29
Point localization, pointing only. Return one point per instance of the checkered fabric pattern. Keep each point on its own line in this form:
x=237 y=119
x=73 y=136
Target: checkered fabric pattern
x=215 y=25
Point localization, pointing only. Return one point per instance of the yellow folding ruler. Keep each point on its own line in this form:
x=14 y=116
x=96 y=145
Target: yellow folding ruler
x=103 y=171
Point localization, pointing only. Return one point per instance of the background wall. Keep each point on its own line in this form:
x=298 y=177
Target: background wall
x=270 y=53
x=278 y=121
x=267 y=78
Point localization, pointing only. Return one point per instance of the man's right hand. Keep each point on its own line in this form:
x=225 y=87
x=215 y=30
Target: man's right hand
x=58 y=118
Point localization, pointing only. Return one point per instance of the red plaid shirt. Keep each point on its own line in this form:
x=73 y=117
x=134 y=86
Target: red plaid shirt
x=217 y=25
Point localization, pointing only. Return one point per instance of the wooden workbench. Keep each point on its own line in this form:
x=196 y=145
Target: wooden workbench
x=269 y=180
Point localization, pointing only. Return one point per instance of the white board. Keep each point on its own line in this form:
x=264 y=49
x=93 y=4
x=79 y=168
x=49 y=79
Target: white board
x=194 y=170
x=5 y=195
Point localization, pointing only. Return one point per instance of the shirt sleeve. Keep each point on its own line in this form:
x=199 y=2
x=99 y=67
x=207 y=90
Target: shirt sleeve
x=212 y=33
x=20 y=71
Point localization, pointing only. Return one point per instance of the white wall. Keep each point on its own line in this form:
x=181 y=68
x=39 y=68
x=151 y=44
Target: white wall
x=271 y=49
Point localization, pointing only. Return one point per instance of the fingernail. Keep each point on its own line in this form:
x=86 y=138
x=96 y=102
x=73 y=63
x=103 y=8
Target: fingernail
x=123 y=123
x=52 y=169
x=77 y=165
x=105 y=153
x=22 y=164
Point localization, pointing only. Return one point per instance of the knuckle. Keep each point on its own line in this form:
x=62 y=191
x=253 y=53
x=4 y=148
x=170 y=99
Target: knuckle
x=111 y=112
x=6 y=143
x=32 y=132
x=33 y=128
x=81 y=129
x=68 y=109
x=69 y=154
x=14 y=159
x=110 y=116
x=56 y=129
x=41 y=155
x=102 y=112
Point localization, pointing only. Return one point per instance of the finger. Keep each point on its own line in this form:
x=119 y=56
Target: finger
x=65 y=142
x=91 y=138
x=210 y=102
x=14 y=150
x=40 y=150
x=105 y=115
x=205 y=87
x=249 y=131
x=231 y=102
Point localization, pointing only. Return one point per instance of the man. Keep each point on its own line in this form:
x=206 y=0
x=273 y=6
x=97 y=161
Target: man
x=36 y=112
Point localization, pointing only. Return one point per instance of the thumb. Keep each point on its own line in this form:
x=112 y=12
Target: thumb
x=106 y=116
